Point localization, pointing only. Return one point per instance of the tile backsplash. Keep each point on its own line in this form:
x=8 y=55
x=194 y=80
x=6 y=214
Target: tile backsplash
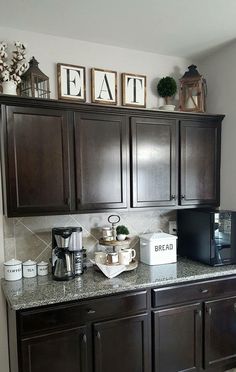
x=30 y=237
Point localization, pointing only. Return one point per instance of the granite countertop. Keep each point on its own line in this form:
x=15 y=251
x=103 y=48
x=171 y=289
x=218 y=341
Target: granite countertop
x=39 y=291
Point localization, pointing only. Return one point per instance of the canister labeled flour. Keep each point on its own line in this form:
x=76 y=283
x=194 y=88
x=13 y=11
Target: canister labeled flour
x=157 y=248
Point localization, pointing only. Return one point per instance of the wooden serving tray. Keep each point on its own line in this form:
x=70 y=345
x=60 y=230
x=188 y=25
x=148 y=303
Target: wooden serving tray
x=115 y=242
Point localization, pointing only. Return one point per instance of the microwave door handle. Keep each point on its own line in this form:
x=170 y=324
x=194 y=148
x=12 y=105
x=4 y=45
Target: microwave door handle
x=218 y=256
x=215 y=253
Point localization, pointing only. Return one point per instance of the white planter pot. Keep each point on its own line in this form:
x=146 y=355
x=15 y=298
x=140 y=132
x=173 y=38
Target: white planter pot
x=121 y=237
x=9 y=87
x=167 y=107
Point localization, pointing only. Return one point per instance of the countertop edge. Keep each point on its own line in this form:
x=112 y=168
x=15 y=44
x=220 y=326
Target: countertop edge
x=113 y=291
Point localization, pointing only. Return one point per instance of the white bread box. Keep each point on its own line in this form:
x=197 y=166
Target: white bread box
x=158 y=248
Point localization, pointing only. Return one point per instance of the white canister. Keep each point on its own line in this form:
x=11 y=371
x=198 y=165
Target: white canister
x=42 y=268
x=29 y=269
x=13 y=270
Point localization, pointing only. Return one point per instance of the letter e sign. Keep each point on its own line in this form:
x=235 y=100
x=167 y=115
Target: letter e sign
x=104 y=86
x=71 y=82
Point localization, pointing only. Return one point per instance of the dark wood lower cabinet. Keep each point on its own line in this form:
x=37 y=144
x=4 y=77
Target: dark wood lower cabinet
x=178 y=338
x=220 y=332
x=124 y=333
x=122 y=345
x=60 y=351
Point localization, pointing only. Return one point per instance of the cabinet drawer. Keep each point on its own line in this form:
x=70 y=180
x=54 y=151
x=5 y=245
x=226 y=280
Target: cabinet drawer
x=194 y=291
x=59 y=316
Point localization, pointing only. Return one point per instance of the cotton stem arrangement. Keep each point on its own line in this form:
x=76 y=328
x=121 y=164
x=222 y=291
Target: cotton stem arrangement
x=11 y=70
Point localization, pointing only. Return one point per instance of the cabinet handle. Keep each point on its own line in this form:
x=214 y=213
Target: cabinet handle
x=84 y=338
x=208 y=310
x=182 y=197
x=173 y=197
x=90 y=311
x=204 y=290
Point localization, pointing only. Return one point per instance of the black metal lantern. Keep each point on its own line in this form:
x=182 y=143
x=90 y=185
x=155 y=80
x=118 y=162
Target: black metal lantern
x=192 y=91
x=34 y=83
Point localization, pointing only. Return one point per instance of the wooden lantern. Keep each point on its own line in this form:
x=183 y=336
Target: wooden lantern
x=34 y=83
x=192 y=91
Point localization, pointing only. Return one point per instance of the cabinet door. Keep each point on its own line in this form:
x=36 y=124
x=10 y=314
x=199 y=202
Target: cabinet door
x=59 y=351
x=38 y=161
x=153 y=162
x=220 y=332
x=122 y=345
x=178 y=339
x=200 y=162
x=101 y=161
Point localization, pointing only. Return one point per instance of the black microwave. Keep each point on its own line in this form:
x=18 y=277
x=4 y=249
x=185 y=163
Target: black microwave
x=208 y=236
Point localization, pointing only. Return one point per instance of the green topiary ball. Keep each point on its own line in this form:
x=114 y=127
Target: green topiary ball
x=167 y=87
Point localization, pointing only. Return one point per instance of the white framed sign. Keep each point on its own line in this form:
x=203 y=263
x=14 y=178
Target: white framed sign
x=133 y=90
x=104 y=86
x=71 y=82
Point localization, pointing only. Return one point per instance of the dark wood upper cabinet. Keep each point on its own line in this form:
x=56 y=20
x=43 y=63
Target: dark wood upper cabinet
x=153 y=162
x=178 y=339
x=65 y=350
x=101 y=161
x=220 y=332
x=122 y=345
x=60 y=157
x=38 y=173
x=200 y=162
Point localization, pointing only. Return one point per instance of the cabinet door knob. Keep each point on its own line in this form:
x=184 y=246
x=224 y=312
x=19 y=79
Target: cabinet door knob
x=98 y=335
x=202 y=290
x=90 y=311
x=198 y=312
x=67 y=200
x=208 y=310
x=84 y=338
x=182 y=197
x=173 y=197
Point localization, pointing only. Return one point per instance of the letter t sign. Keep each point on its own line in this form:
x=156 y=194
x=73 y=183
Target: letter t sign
x=133 y=90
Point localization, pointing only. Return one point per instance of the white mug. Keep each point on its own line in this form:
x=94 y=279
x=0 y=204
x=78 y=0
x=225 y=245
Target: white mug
x=132 y=253
x=124 y=257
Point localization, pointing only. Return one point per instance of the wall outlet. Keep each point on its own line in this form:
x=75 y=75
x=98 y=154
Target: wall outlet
x=172 y=228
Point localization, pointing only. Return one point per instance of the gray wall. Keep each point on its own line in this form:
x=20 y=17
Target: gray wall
x=219 y=70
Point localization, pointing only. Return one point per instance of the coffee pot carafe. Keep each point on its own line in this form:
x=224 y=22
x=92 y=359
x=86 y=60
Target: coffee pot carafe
x=62 y=258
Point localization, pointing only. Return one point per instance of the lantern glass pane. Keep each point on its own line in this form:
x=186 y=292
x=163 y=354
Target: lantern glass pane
x=191 y=97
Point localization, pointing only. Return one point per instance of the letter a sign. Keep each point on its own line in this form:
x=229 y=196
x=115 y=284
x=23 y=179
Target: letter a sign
x=104 y=86
x=71 y=82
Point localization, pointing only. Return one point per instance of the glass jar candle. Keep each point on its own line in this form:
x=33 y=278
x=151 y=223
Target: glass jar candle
x=107 y=234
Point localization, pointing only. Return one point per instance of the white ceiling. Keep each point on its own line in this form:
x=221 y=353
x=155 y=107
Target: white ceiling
x=185 y=28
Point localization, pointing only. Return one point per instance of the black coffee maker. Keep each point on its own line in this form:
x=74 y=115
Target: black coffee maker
x=62 y=258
